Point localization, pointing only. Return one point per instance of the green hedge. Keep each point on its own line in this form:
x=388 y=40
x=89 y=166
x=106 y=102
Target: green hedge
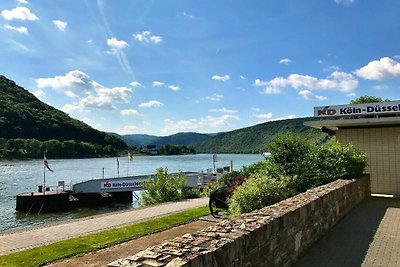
x=296 y=165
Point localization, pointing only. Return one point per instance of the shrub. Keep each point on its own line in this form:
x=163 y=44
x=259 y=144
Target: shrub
x=163 y=188
x=257 y=192
x=228 y=179
x=257 y=167
x=310 y=165
x=190 y=192
x=296 y=165
x=290 y=153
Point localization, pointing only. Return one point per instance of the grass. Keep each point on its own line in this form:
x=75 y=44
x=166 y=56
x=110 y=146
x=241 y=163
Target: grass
x=80 y=245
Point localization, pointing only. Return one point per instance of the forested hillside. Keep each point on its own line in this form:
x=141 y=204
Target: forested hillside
x=27 y=120
x=254 y=139
x=138 y=139
x=188 y=138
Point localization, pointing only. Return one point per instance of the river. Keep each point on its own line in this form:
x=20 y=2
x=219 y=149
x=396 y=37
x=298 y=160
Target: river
x=25 y=176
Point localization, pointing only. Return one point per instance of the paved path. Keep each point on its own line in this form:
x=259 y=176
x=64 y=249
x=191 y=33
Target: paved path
x=28 y=238
x=368 y=236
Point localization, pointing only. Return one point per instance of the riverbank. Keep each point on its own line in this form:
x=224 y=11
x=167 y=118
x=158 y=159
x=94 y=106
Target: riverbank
x=25 y=176
x=40 y=245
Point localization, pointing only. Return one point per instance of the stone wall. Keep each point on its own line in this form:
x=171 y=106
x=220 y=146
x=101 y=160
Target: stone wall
x=272 y=236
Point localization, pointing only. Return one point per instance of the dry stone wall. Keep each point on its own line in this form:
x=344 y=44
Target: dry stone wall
x=272 y=236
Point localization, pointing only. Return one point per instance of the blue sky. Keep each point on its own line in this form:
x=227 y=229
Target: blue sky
x=162 y=67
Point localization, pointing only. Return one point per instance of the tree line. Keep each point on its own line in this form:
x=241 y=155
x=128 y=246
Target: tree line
x=33 y=148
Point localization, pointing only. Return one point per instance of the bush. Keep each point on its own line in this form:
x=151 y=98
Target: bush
x=163 y=188
x=290 y=153
x=257 y=192
x=296 y=165
x=339 y=161
x=190 y=192
x=257 y=167
x=310 y=165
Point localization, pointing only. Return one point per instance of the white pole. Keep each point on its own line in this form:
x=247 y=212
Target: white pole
x=44 y=180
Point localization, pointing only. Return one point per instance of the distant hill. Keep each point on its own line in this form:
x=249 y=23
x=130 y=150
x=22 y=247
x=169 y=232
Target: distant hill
x=188 y=138
x=254 y=139
x=138 y=139
x=23 y=116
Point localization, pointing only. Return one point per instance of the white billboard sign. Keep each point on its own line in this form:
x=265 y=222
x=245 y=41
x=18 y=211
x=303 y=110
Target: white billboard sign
x=379 y=108
x=122 y=184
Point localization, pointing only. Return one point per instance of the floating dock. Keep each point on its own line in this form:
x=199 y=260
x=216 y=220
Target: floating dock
x=96 y=192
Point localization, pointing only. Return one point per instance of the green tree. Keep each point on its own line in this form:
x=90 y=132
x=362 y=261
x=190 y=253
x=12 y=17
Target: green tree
x=368 y=99
x=163 y=188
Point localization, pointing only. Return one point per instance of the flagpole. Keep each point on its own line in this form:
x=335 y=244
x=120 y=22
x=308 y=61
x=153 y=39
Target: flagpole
x=118 y=166
x=44 y=180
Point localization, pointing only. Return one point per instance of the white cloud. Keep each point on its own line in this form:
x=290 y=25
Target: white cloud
x=38 y=93
x=135 y=84
x=174 y=88
x=156 y=39
x=157 y=84
x=214 y=97
x=116 y=44
x=90 y=41
x=69 y=108
x=307 y=94
x=116 y=48
x=61 y=25
x=256 y=109
x=337 y=81
x=220 y=78
x=258 y=82
x=382 y=69
x=23 y=2
x=331 y=69
x=129 y=112
x=269 y=117
x=223 y=110
x=118 y=94
x=284 y=118
x=285 y=61
x=209 y=122
x=105 y=98
x=75 y=79
x=265 y=116
x=243 y=77
x=344 y=2
x=22 y=13
x=130 y=129
x=188 y=15
x=380 y=87
x=151 y=104
x=92 y=94
x=146 y=37
x=70 y=94
x=21 y=29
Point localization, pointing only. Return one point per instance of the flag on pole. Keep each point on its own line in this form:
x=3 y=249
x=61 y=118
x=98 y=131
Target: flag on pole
x=46 y=163
x=118 y=166
x=129 y=156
